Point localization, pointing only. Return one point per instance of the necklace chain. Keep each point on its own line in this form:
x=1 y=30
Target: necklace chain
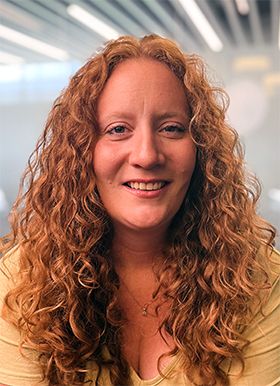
x=144 y=308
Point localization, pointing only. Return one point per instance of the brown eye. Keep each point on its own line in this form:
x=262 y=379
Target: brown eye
x=173 y=131
x=117 y=130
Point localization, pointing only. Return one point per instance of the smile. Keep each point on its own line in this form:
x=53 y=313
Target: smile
x=146 y=186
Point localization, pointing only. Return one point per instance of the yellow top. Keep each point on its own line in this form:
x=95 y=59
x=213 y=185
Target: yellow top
x=262 y=356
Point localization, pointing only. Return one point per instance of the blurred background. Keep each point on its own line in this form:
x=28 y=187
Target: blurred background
x=43 y=42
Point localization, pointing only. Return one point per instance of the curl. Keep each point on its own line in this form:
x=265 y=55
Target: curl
x=66 y=299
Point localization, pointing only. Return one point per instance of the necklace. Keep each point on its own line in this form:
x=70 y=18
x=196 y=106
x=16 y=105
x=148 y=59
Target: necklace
x=144 y=308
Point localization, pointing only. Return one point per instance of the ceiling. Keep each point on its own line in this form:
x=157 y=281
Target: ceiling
x=49 y=21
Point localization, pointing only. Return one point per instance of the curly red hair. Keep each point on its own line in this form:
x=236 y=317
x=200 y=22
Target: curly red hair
x=67 y=295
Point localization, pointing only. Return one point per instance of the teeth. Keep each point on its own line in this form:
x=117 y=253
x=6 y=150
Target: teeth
x=144 y=186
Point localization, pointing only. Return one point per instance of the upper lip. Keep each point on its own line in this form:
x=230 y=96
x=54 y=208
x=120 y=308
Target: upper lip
x=146 y=180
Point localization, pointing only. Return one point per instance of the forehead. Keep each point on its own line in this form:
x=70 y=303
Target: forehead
x=141 y=70
x=142 y=81
x=143 y=66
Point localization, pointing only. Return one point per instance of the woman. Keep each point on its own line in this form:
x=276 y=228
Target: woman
x=141 y=258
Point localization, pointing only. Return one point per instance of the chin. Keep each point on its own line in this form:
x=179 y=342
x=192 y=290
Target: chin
x=144 y=225
x=151 y=219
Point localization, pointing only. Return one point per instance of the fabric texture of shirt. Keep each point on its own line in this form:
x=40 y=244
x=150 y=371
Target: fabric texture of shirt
x=261 y=356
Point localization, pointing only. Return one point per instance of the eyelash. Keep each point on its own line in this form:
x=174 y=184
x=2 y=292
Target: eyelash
x=112 y=131
x=178 y=129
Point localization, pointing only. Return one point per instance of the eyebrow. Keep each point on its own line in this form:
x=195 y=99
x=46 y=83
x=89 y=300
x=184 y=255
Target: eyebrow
x=117 y=115
x=158 y=117
x=171 y=114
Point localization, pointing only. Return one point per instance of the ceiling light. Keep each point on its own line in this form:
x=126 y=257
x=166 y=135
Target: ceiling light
x=202 y=24
x=92 y=22
x=32 y=44
x=272 y=82
x=242 y=7
x=19 y=16
x=6 y=58
x=252 y=63
x=273 y=78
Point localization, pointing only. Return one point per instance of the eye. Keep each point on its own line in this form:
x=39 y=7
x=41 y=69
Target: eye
x=173 y=131
x=118 y=130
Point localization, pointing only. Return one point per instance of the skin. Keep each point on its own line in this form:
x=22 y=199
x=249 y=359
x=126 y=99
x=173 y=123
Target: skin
x=143 y=122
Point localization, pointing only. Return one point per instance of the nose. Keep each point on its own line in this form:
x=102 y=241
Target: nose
x=146 y=150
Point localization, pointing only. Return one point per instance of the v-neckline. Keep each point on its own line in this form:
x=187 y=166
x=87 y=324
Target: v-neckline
x=158 y=378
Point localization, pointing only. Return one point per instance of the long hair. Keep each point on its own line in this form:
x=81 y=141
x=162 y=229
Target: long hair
x=66 y=296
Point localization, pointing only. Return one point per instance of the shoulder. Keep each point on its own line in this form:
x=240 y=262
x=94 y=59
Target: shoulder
x=9 y=271
x=269 y=259
x=15 y=369
x=9 y=274
x=262 y=352
x=261 y=355
x=270 y=256
x=274 y=268
x=274 y=258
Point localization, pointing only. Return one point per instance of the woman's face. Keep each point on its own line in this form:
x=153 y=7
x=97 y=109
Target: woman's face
x=144 y=157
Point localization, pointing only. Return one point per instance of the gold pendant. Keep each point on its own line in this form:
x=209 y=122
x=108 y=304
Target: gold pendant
x=145 y=310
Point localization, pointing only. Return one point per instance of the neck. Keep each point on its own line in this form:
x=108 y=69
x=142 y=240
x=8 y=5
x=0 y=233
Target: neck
x=137 y=250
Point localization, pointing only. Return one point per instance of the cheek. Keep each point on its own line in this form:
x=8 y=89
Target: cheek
x=109 y=160
x=186 y=163
x=104 y=161
x=105 y=168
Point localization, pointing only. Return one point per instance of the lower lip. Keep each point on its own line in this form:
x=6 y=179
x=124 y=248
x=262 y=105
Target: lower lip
x=146 y=193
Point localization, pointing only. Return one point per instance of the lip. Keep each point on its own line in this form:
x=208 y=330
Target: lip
x=147 y=193
x=146 y=180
